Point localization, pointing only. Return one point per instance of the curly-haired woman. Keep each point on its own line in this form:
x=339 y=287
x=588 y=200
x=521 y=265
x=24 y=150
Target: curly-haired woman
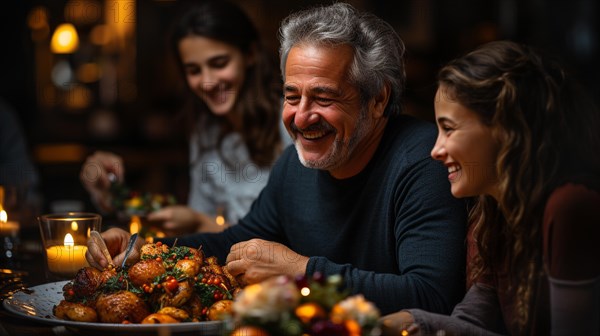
x=516 y=131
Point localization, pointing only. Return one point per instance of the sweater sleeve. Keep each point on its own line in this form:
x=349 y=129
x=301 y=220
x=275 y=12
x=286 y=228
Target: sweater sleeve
x=571 y=231
x=478 y=314
x=429 y=239
x=571 y=249
x=575 y=307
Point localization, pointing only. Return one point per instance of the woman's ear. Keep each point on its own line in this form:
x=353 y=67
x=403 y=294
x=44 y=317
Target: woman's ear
x=252 y=55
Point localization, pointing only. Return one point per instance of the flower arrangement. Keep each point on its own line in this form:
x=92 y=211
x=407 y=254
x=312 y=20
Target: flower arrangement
x=315 y=306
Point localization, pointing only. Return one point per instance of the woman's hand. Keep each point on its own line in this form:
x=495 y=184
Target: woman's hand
x=94 y=176
x=116 y=241
x=180 y=219
x=256 y=260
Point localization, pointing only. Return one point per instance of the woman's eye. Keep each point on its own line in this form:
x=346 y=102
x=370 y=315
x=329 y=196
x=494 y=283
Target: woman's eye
x=445 y=128
x=192 y=70
x=220 y=62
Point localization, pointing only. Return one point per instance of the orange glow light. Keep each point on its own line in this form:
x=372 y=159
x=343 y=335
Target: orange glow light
x=65 y=39
x=135 y=225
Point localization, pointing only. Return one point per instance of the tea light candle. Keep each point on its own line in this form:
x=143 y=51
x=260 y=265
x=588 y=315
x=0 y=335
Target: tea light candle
x=65 y=260
x=8 y=228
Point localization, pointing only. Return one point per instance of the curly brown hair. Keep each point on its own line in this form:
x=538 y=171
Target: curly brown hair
x=546 y=128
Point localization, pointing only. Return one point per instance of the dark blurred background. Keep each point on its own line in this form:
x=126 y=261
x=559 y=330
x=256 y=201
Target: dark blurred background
x=120 y=89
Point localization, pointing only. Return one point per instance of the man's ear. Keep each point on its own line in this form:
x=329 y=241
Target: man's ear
x=380 y=101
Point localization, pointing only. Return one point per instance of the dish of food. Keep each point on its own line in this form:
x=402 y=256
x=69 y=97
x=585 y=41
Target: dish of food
x=169 y=287
x=38 y=302
x=129 y=202
x=132 y=208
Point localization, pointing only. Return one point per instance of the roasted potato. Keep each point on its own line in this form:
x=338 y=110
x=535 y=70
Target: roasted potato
x=158 y=318
x=73 y=311
x=175 y=313
x=188 y=267
x=144 y=271
x=220 y=309
x=121 y=306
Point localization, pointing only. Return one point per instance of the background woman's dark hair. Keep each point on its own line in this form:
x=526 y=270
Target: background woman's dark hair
x=259 y=100
x=547 y=129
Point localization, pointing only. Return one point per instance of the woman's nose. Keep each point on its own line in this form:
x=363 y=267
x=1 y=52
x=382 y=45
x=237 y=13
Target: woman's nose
x=438 y=152
x=208 y=80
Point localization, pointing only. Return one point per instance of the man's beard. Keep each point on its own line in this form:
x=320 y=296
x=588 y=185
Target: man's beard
x=340 y=151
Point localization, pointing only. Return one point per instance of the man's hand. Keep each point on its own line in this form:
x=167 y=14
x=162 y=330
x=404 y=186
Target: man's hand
x=400 y=323
x=116 y=241
x=256 y=260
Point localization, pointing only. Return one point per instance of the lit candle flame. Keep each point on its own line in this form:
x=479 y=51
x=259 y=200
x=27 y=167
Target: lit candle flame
x=220 y=220
x=69 y=240
x=3 y=216
x=74 y=226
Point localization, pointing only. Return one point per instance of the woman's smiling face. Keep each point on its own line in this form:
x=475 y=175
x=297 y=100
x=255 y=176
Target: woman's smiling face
x=215 y=71
x=466 y=146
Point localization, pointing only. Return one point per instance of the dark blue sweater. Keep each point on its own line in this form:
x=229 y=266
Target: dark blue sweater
x=394 y=231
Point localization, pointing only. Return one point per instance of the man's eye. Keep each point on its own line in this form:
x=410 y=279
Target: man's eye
x=323 y=100
x=292 y=99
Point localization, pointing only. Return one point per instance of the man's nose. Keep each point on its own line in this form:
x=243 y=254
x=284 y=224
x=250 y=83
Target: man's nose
x=305 y=116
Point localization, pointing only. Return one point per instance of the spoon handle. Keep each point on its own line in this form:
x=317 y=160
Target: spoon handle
x=130 y=245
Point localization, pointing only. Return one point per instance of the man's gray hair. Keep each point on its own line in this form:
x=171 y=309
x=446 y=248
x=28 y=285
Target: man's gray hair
x=378 y=50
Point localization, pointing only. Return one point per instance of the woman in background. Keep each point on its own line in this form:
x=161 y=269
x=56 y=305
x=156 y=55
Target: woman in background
x=234 y=121
x=517 y=132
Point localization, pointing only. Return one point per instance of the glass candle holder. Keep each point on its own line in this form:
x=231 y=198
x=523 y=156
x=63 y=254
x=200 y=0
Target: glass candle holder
x=9 y=226
x=9 y=239
x=65 y=237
